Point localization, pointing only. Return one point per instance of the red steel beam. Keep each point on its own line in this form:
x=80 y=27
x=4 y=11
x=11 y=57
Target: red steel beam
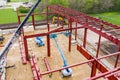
x=99 y=42
x=48 y=46
x=26 y=48
x=50 y=32
x=69 y=13
x=117 y=59
x=104 y=74
x=35 y=14
x=70 y=37
x=85 y=37
x=70 y=66
x=97 y=64
x=36 y=67
x=81 y=63
x=33 y=69
x=76 y=31
x=22 y=50
x=47 y=65
x=72 y=13
x=34 y=35
x=33 y=21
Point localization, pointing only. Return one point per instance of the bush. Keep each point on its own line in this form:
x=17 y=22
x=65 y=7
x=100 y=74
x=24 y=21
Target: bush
x=23 y=9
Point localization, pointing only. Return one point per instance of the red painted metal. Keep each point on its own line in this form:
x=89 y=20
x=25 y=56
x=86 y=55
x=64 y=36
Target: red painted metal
x=33 y=21
x=26 y=48
x=104 y=74
x=70 y=66
x=60 y=29
x=85 y=38
x=48 y=45
x=70 y=37
x=93 y=68
x=96 y=64
x=34 y=35
x=81 y=19
x=47 y=64
x=22 y=50
x=76 y=32
x=117 y=59
x=36 y=67
x=85 y=21
x=99 y=41
x=81 y=63
x=48 y=25
x=19 y=20
x=33 y=69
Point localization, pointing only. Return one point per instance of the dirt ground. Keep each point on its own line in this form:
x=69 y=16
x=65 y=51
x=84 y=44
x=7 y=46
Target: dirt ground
x=23 y=72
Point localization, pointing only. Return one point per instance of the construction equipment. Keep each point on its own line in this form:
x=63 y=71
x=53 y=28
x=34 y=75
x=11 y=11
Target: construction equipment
x=39 y=41
x=65 y=21
x=65 y=72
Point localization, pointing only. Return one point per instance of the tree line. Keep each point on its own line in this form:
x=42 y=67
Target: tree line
x=87 y=6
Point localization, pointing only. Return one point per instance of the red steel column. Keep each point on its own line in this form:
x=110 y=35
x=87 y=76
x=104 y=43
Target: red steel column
x=99 y=41
x=47 y=20
x=58 y=20
x=47 y=66
x=33 y=21
x=85 y=33
x=117 y=59
x=48 y=45
x=85 y=38
x=70 y=37
x=93 y=71
x=19 y=20
x=76 y=32
x=26 y=48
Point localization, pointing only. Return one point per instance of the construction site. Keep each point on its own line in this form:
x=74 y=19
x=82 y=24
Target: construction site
x=70 y=46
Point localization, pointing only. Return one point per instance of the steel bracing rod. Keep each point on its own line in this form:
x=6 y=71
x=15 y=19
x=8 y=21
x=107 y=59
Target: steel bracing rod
x=17 y=32
x=81 y=63
x=104 y=74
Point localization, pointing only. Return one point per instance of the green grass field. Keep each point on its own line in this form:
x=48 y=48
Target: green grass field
x=112 y=17
x=10 y=16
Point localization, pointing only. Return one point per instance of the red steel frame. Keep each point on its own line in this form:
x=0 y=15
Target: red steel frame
x=85 y=22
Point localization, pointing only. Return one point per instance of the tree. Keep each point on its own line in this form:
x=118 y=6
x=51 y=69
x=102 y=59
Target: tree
x=8 y=0
x=116 y=5
x=59 y=2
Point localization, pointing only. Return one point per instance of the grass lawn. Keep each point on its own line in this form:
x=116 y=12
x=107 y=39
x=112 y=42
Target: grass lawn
x=10 y=16
x=113 y=17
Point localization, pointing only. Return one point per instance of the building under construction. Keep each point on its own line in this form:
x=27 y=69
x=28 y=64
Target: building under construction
x=73 y=51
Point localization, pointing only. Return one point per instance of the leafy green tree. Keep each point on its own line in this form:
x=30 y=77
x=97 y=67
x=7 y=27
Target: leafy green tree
x=59 y=2
x=116 y=6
